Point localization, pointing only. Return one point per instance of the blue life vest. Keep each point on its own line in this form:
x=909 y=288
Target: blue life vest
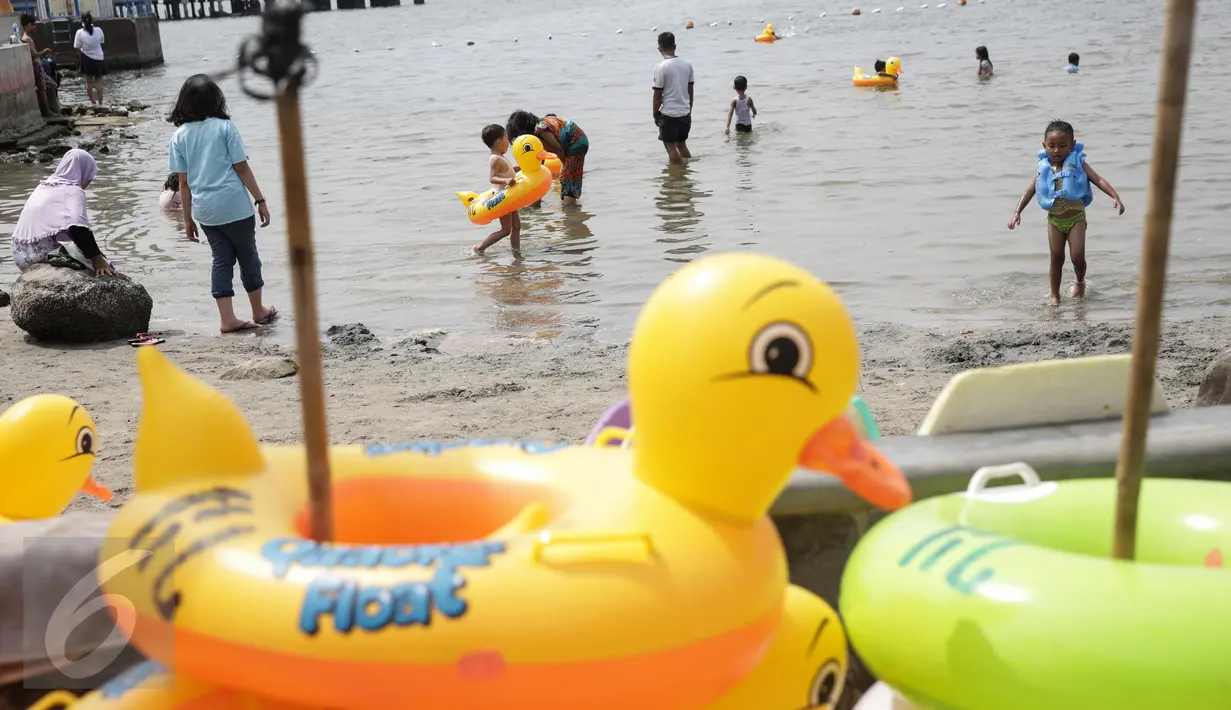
x=1075 y=185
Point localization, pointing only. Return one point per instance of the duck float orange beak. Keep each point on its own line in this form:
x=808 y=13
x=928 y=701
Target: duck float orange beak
x=838 y=449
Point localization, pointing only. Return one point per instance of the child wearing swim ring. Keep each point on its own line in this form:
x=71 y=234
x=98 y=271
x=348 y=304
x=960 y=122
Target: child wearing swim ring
x=1062 y=186
x=742 y=108
x=501 y=175
x=879 y=67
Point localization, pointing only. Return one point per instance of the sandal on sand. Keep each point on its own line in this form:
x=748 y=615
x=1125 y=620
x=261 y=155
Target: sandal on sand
x=247 y=325
x=273 y=315
x=145 y=339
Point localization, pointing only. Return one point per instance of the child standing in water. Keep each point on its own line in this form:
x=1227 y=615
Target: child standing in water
x=742 y=108
x=501 y=174
x=1062 y=186
x=215 y=180
x=985 y=62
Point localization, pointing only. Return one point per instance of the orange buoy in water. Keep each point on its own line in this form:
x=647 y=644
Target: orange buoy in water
x=856 y=12
x=688 y=25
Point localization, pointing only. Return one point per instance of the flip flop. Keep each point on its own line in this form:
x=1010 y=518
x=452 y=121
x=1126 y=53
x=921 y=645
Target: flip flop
x=273 y=315
x=248 y=325
x=145 y=339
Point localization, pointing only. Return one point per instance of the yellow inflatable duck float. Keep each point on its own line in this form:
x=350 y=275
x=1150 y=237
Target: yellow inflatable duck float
x=528 y=187
x=805 y=667
x=501 y=573
x=47 y=448
x=768 y=35
x=893 y=67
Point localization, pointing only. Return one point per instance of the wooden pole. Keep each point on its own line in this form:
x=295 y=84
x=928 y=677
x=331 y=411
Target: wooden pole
x=1172 y=89
x=307 y=339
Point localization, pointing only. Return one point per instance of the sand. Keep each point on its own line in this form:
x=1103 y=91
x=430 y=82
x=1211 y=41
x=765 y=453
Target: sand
x=448 y=386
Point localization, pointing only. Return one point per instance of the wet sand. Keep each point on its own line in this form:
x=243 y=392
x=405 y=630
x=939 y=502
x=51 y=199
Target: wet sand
x=442 y=386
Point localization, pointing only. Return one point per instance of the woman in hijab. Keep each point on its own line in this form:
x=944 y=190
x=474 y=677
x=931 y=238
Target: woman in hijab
x=53 y=227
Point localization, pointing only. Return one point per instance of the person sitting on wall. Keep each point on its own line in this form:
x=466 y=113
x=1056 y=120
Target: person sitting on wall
x=44 y=85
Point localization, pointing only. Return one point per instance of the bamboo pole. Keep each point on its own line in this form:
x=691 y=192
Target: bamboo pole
x=307 y=340
x=279 y=55
x=1172 y=89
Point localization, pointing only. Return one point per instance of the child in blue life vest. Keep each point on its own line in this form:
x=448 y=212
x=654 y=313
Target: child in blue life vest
x=1062 y=186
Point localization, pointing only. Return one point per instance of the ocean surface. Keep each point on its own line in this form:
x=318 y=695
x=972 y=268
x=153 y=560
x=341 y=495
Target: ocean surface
x=899 y=198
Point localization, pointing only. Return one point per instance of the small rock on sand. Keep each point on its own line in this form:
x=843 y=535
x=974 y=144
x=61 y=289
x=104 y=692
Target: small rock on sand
x=60 y=305
x=1216 y=384
x=350 y=335
x=263 y=368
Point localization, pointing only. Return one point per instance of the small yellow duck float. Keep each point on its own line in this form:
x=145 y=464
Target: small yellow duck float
x=893 y=68
x=768 y=35
x=499 y=573
x=528 y=187
x=47 y=447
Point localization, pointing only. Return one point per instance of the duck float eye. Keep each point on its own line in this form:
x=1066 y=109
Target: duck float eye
x=827 y=686
x=781 y=349
x=85 y=441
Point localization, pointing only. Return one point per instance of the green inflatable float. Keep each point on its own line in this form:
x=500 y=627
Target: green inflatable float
x=1007 y=599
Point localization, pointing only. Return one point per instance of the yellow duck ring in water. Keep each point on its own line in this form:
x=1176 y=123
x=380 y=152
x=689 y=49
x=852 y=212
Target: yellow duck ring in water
x=498 y=573
x=528 y=187
x=768 y=35
x=893 y=68
x=1010 y=600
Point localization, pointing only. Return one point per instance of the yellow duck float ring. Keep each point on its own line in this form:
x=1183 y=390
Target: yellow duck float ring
x=804 y=669
x=497 y=573
x=47 y=448
x=528 y=187
x=893 y=68
x=768 y=35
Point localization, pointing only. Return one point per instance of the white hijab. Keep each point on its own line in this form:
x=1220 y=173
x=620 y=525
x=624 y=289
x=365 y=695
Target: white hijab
x=59 y=201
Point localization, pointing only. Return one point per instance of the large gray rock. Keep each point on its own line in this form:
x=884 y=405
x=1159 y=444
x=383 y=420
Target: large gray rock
x=59 y=305
x=1216 y=385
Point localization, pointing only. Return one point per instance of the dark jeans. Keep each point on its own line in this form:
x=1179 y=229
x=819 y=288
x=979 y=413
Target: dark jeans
x=233 y=242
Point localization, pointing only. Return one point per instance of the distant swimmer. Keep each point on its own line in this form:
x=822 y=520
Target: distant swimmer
x=985 y=62
x=1062 y=187
x=1074 y=60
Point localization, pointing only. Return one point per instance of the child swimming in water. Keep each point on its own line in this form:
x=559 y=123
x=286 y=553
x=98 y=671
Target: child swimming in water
x=1062 y=185
x=985 y=62
x=742 y=108
x=169 y=199
x=880 y=68
x=1074 y=60
x=501 y=175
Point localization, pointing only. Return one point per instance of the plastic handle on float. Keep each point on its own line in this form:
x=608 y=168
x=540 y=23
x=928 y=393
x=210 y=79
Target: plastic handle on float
x=583 y=548
x=55 y=699
x=628 y=440
x=612 y=433
x=987 y=474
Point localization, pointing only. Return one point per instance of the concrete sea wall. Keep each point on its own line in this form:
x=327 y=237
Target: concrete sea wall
x=131 y=43
x=19 y=112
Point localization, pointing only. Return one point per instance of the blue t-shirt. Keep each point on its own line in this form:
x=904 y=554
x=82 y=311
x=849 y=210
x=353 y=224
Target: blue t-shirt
x=207 y=150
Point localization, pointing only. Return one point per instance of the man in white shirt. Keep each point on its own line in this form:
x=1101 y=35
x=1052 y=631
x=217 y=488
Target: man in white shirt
x=673 y=99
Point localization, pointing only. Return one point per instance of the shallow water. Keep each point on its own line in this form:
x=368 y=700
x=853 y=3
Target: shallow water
x=899 y=198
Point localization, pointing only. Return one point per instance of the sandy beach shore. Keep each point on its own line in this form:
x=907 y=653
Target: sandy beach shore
x=449 y=386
